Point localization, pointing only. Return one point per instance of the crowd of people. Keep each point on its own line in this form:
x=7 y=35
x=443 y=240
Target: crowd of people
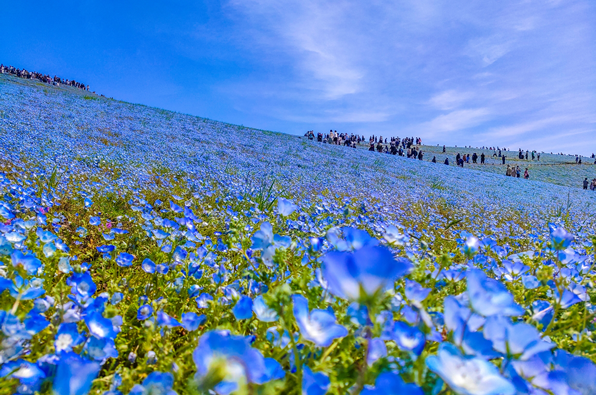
x=33 y=75
x=590 y=185
x=393 y=145
x=515 y=171
x=336 y=138
x=411 y=147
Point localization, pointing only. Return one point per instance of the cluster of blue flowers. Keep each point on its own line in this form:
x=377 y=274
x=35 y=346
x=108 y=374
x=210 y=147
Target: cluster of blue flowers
x=142 y=252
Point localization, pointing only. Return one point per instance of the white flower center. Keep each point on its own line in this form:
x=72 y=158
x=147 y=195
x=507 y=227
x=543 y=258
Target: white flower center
x=467 y=375
x=63 y=342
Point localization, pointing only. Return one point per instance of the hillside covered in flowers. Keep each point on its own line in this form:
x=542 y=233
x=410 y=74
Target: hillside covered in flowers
x=144 y=251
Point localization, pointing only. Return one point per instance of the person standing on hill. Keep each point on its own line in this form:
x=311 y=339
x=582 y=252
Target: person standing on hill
x=586 y=182
x=444 y=150
x=434 y=159
x=482 y=156
x=503 y=158
x=508 y=171
x=518 y=172
x=526 y=174
x=447 y=161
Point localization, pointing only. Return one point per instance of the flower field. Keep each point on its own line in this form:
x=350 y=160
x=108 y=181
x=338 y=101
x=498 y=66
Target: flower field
x=149 y=252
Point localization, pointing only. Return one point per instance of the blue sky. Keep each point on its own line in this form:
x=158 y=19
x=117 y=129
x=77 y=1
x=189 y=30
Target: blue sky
x=520 y=74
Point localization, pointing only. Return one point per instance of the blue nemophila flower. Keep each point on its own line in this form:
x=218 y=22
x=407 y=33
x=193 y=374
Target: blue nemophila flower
x=267 y=242
x=67 y=337
x=243 y=308
x=82 y=232
x=395 y=236
x=88 y=202
x=240 y=361
x=82 y=284
x=408 y=337
x=489 y=297
x=350 y=239
x=64 y=265
x=474 y=343
x=124 y=259
x=277 y=339
x=148 y=266
x=43 y=304
x=100 y=349
x=74 y=374
x=165 y=320
x=468 y=375
x=175 y=208
x=471 y=246
x=317 y=326
x=151 y=358
x=35 y=322
x=519 y=340
x=30 y=375
x=416 y=292
x=99 y=326
x=157 y=383
x=13 y=328
x=459 y=318
x=203 y=300
x=94 y=221
x=179 y=254
x=314 y=383
x=106 y=248
x=192 y=321
x=262 y=311
x=21 y=288
x=194 y=291
x=15 y=237
x=116 y=298
x=560 y=237
x=542 y=312
x=144 y=312
x=30 y=262
x=530 y=282
x=362 y=273
x=581 y=372
x=376 y=350
x=5 y=212
x=49 y=250
x=391 y=384
x=285 y=207
x=273 y=371
x=162 y=268
x=358 y=314
x=567 y=299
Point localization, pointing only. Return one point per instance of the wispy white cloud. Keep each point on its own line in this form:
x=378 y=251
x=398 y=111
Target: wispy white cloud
x=454 y=121
x=489 y=49
x=450 y=99
x=520 y=129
